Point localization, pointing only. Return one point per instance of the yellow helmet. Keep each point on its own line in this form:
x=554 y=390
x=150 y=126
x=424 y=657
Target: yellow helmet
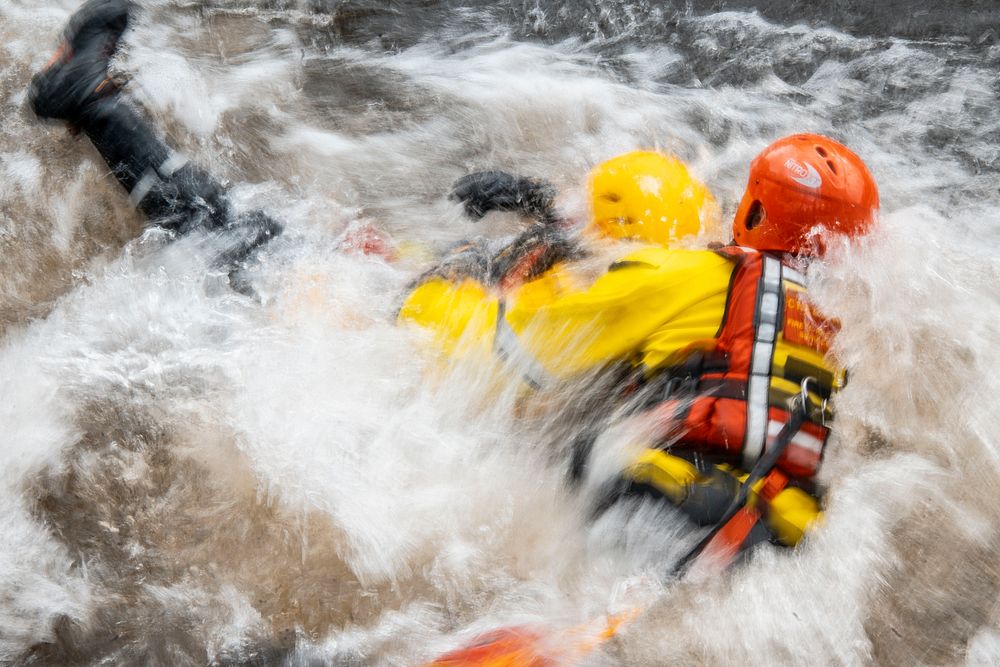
x=648 y=196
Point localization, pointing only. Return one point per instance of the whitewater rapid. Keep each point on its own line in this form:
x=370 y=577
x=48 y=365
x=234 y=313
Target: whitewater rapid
x=192 y=476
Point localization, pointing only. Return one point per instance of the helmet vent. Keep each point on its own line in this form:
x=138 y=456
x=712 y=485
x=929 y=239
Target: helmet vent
x=822 y=151
x=612 y=197
x=832 y=166
x=755 y=215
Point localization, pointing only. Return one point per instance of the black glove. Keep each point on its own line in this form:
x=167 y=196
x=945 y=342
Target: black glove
x=486 y=191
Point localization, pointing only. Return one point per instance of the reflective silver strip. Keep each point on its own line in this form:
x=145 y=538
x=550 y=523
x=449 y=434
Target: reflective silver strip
x=173 y=162
x=761 y=357
x=142 y=188
x=794 y=276
x=759 y=382
x=507 y=346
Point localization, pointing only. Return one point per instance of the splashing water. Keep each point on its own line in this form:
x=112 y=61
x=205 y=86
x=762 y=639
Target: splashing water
x=192 y=476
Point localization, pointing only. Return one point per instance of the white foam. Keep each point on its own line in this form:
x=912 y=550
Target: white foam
x=300 y=464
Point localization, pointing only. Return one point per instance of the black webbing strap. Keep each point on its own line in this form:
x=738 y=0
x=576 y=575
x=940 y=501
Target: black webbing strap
x=797 y=416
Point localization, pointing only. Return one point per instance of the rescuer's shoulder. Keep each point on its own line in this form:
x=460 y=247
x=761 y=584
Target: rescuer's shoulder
x=656 y=258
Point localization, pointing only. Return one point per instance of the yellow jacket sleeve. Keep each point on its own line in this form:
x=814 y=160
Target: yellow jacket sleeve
x=461 y=316
x=649 y=305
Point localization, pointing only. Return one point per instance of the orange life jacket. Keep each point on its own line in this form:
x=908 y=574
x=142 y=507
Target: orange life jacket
x=770 y=341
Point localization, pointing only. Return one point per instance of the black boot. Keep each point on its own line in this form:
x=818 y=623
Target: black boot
x=77 y=76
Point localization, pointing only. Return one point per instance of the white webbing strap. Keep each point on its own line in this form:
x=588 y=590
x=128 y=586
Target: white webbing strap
x=508 y=347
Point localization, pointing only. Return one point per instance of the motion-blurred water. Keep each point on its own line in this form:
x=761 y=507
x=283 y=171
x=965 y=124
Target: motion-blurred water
x=190 y=476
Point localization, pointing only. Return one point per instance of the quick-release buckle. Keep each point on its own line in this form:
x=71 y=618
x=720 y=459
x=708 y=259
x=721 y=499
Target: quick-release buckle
x=678 y=385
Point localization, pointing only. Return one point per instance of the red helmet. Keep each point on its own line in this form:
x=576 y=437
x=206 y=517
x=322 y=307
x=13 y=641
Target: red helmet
x=800 y=183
